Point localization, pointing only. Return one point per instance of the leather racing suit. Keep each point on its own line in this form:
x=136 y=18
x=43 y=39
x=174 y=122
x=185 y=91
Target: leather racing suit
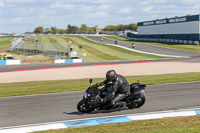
x=119 y=91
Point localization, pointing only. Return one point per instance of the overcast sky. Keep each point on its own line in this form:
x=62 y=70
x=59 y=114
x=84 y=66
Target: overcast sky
x=20 y=16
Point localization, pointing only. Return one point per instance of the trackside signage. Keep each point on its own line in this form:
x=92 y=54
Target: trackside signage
x=170 y=20
x=173 y=20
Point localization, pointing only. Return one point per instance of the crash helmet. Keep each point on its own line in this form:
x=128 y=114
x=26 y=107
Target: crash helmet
x=111 y=75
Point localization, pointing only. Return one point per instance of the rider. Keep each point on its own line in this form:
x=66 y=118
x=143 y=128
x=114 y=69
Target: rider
x=120 y=89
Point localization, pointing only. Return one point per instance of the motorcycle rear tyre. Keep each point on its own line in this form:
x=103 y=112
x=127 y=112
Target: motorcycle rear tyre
x=132 y=106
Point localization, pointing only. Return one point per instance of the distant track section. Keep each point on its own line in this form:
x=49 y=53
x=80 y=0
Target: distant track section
x=147 y=47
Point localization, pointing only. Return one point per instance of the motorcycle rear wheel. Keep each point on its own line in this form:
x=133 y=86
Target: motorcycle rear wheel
x=141 y=100
x=83 y=107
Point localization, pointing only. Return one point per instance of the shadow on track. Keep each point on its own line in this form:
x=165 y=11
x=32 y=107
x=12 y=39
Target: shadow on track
x=95 y=112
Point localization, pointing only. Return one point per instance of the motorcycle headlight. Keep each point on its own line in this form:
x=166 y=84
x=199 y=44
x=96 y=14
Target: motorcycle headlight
x=85 y=95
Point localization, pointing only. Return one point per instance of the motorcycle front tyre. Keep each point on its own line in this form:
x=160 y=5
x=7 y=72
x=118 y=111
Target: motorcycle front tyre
x=83 y=107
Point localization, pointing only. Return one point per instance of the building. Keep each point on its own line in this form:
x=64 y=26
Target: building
x=180 y=28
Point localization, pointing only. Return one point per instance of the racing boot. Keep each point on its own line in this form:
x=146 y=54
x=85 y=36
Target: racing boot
x=120 y=105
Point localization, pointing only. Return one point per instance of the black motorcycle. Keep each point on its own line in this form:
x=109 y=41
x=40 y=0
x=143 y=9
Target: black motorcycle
x=92 y=98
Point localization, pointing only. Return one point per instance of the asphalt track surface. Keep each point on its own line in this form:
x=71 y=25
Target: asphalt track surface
x=148 y=47
x=15 y=111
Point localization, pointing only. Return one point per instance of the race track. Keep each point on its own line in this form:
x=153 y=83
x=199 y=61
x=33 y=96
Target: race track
x=15 y=111
x=148 y=48
x=59 y=107
x=22 y=67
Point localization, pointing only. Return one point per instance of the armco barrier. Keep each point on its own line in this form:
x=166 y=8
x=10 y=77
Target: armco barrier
x=10 y=62
x=69 y=60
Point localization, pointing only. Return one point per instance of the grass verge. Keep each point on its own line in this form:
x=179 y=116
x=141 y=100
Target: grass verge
x=167 y=125
x=42 y=87
x=187 y=47
x=5 y=41
x=91 y=51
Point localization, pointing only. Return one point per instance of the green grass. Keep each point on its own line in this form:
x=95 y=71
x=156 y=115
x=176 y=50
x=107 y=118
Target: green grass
x=25 y=58
x=100 y=52
x=5 y=41
x=194 y=48
x=42 y=87
x=94 y=51
x=167 y=125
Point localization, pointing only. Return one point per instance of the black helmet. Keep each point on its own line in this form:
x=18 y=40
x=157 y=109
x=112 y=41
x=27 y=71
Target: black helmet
x=111 y=75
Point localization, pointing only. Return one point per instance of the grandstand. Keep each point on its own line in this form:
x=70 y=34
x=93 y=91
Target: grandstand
x=180 y=28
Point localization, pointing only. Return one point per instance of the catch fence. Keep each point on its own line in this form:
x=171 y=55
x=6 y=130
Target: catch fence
x=31 y=46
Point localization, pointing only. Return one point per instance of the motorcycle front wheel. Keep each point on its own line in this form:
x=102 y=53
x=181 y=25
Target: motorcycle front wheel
x=83 y=107
x=137 y=103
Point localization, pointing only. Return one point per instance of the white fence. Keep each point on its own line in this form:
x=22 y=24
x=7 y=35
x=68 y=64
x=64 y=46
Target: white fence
x=15 y=44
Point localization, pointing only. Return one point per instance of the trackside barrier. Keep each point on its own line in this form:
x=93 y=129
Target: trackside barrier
x=69 y=60
x=166 y=40
x=34 y=51
x=16 y=44
x=10 y=62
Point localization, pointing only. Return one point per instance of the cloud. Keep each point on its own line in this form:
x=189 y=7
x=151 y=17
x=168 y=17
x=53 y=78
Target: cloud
x=172 y=6
x=130 y=18
x=98 y=15
x=196 y=7
x=191 y=1
x=48 y=13
x=63 y=6
x=103 y=7
x=18 y=19
x=145 y=2
x=91 y=8
x=20 y=1
x=148 y=9
x=160 y=1
x=153 y=2
x=104 y=1
x=85 y=8
x=1 y=3
x=154 y=17
x=125 y=10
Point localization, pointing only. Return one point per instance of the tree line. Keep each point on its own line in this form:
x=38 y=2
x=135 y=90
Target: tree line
x=120 y=27
x=85 y=29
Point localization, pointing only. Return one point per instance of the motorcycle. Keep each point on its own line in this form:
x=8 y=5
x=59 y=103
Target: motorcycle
x=92 y=98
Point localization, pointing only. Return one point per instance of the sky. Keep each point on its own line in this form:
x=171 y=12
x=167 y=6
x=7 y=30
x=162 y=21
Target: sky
x=19 y=16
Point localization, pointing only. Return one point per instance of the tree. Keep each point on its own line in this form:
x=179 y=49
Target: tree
x=84 y=28
x=125 y=27
x=74 y=29
x=54 y=30
x=47 y=30
x=61 y=31
x=119 y=27
x=133 y=27
x=92 y=29
x=69 y=28
x=39 y=29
